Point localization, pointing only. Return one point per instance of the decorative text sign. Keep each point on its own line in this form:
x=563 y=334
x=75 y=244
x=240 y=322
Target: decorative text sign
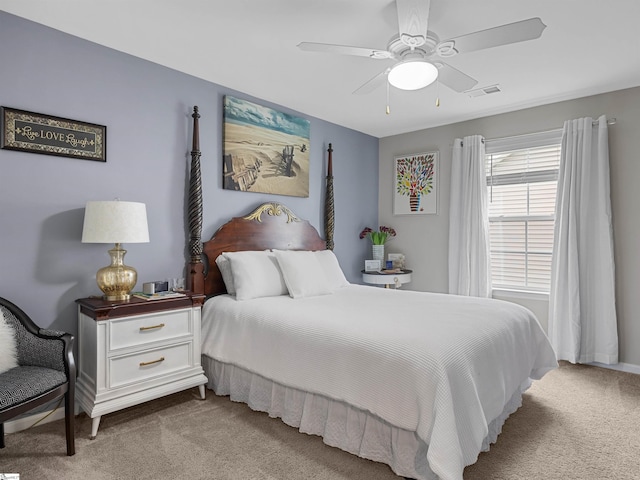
x=38 y=133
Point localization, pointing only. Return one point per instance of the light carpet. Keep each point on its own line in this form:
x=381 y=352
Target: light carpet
x=577 y=423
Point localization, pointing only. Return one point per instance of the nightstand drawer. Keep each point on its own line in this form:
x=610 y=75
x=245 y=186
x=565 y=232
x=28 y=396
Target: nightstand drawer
x=145 y=329
x=153 y=363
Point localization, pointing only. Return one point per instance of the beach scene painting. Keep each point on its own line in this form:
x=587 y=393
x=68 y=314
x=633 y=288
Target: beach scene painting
x=265 y=150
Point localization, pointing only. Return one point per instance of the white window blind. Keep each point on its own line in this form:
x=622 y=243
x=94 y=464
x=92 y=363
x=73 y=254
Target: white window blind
x=522 y=177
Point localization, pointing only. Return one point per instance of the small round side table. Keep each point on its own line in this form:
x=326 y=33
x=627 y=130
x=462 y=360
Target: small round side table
x=387 y=279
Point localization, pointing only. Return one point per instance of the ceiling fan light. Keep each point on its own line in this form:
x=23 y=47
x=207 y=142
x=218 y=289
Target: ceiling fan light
x=412 y=75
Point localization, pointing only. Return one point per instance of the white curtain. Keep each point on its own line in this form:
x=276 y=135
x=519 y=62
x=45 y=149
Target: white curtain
x=582 y=313
x=469 y=261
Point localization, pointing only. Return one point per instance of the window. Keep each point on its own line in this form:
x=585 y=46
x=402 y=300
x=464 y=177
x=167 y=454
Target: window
x=522 y=178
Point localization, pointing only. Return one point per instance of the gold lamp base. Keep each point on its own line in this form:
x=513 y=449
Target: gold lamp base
x=117 y=280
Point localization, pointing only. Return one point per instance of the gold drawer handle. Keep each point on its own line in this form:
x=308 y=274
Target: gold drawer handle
x=142 y=329
x=144 y=364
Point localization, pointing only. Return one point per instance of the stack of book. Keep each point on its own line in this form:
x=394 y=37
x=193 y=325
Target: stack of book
x=390 y=271
x=158 y=295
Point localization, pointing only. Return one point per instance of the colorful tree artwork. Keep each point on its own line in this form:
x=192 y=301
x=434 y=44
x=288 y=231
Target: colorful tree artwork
x=415 y=178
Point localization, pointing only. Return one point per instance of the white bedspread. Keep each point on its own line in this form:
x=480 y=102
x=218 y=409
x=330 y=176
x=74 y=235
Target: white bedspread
x=443 y=366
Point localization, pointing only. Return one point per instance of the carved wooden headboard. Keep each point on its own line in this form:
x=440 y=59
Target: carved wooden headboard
x=271 y=225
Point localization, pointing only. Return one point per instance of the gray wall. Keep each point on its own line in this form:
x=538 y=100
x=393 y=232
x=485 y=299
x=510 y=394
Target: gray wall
x=424 y=239
x=146 y=108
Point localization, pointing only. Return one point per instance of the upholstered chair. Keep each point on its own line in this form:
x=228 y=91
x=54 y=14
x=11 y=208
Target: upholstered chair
x=46 y=371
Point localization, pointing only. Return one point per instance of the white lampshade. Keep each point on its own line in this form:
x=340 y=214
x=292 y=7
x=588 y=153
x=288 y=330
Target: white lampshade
x=412 y=74
x=115 y=222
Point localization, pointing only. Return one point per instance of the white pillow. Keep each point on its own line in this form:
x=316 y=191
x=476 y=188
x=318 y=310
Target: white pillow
x=332 y=269
x=8 y=349
x=227 y=276
x=303 y=273
x=256 y=274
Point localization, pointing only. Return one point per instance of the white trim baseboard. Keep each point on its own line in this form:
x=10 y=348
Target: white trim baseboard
x=22 y=423
x=622 y=367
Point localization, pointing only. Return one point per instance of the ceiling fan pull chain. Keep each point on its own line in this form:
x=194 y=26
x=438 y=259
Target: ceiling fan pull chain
x=388 y=111
x=437 y=93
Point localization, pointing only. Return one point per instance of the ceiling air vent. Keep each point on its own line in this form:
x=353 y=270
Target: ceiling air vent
x=479 y=92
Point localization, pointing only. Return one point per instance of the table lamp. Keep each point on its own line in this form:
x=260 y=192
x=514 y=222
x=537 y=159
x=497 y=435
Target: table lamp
x=116 y=222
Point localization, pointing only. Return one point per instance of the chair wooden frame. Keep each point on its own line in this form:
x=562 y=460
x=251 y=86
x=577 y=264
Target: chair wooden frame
x=67 y=389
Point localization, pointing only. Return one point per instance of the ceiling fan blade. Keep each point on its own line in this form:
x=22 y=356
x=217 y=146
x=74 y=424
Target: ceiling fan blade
x=344 y=50
x=413 y=18
x=454 y=78
x=493 y=37
x=370 y=85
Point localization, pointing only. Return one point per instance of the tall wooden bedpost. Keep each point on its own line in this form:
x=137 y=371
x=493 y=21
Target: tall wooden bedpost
x=195 y=280
x=329 y=219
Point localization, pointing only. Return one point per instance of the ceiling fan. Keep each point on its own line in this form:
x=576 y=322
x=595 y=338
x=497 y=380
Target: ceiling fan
x=419 y=53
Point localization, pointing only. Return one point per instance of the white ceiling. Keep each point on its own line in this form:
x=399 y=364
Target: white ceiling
x=588 y=47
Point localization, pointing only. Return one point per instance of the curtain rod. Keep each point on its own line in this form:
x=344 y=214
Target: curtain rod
x=610 y=121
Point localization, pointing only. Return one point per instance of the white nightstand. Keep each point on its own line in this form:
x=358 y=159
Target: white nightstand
x=133 y=351
x=387 y=279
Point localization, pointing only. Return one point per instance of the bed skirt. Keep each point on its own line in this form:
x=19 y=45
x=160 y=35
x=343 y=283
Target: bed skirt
x=339 y=424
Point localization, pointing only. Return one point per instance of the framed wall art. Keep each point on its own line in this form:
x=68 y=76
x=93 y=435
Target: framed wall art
x=265 y=150
x=49 y=135
x=416 y=184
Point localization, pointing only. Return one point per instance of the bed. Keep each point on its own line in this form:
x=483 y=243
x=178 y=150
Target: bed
x=422 y=382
